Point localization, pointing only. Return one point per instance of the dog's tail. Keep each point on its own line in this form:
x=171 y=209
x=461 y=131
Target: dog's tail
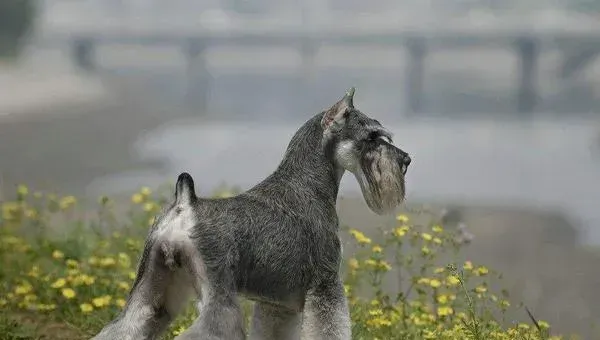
x=184 y=189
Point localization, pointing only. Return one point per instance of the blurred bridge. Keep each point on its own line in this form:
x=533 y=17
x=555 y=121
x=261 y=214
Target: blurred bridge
x=579 y=44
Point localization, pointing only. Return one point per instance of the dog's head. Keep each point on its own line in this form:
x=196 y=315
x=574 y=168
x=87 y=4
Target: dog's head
x=360 y=144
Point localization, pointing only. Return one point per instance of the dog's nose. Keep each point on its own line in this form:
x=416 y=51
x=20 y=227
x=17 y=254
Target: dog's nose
x=406 y=160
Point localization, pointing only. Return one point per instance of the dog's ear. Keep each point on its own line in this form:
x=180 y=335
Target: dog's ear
x=339 y=111
x=184 y=189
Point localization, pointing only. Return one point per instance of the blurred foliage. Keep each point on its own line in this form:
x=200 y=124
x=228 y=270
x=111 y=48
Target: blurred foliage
x=16 y=21
x=73 y=274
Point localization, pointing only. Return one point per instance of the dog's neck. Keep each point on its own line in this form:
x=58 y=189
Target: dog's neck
x=305 y=168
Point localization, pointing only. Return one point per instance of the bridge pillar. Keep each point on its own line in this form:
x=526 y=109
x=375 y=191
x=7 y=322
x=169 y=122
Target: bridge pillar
x=415 y=73
x=528 y=54
x=198 y=77
x=82 y=52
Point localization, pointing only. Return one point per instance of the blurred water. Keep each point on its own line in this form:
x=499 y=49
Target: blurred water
x=546 y=162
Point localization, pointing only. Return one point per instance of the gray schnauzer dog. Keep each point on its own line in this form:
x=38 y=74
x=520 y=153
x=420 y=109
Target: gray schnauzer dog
x=276 y=244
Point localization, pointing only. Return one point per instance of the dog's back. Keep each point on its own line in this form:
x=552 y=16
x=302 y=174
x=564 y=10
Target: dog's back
x=232 y=235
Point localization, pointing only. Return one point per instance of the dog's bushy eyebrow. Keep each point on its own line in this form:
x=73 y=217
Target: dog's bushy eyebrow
x=380 y=132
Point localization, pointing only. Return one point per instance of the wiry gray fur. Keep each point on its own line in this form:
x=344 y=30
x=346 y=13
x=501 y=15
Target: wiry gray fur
x=276 y=243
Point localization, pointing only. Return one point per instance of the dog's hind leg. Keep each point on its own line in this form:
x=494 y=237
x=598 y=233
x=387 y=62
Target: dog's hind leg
x=220 y=312
x=161 y=288
x=274 y=322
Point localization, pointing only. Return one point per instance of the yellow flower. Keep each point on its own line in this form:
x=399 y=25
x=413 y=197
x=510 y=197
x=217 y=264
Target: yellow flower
x=437 y=240
x=445 y=310
x=145 y=191
x=148 y=206
x=120 y=302
x=10 y=210
x=46 y=307
x=452 y=280
x=107 y=262
x=375 y=312
x=435 y=283
x=360 y=237
x=439 y=270
x=384 y=266
x=101 y=301
x=23 y=289
x=437 y=229
x=67 y=202
x=424 y=281
x=179 y=330
x=57 y=254
x=88 y=280
x=402 y=218
x=543 y=324
x=59 y=283
x=379 y=322
x=72 y=263
x=468 y=265
x=86 y=307
x=68 y=293
x=400 y=231
x=425 y=250
x=22 y=190
x=124 y=260
x=137 y=198
x=224 y=194
x=377 y=249
x=481 y=271
x=123 y=285
x=480 y=289
x=83 y=279
x=353 y=263
x=443 y=299
x=131 y=275
x=426 y=236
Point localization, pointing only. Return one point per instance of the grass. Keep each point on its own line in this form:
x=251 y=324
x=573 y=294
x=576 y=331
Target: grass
x=63 y=276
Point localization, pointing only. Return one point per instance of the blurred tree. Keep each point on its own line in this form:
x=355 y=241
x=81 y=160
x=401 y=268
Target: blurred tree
x=16 y=21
